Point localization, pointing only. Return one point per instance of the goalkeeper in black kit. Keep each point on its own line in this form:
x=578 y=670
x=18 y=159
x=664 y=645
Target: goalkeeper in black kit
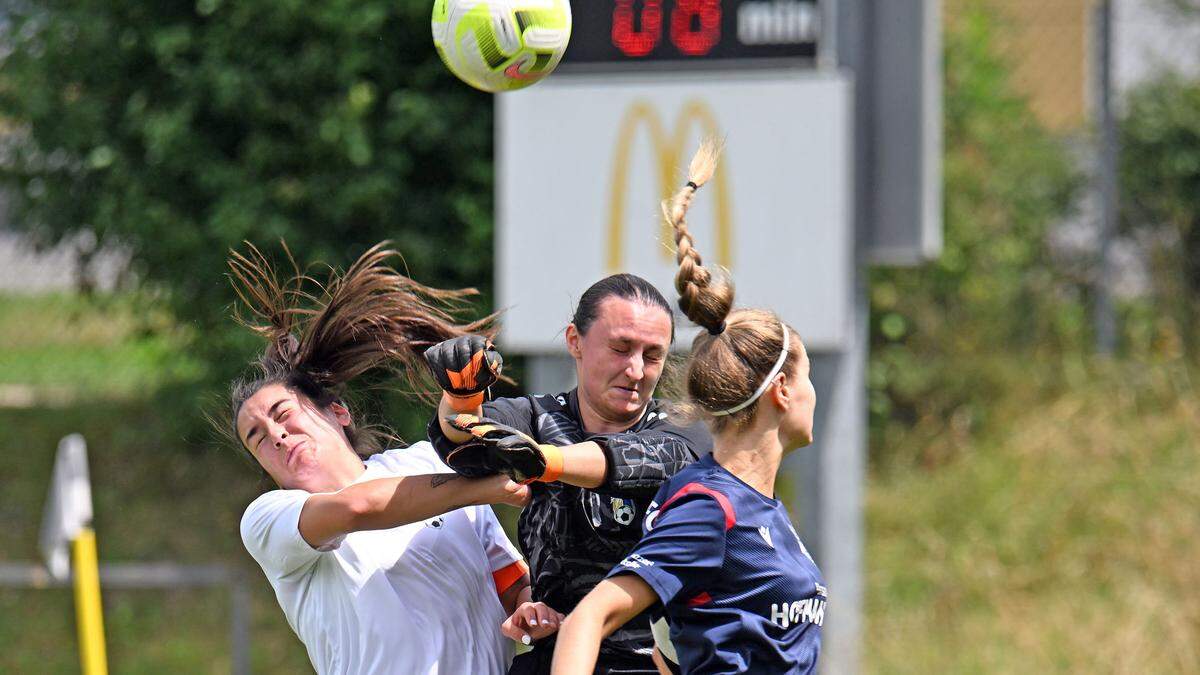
x=595 y=456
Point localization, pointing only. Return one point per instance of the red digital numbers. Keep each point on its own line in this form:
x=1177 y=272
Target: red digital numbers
x=695 y=26
x=642 y=41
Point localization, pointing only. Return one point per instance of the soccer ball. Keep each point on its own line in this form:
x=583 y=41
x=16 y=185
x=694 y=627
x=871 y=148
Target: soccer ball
x=501 y=45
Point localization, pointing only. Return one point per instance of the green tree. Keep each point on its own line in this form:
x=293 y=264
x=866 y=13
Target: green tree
x=1160 y=193
x=994 y=289
x=178 y=129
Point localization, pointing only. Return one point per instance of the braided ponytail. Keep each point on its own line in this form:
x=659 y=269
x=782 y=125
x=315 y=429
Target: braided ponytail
x=705 y=298
x=743 y=347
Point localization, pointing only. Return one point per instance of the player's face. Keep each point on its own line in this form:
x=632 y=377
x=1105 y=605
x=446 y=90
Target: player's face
x=796 y=428
x=621 y=357
x=292 y=438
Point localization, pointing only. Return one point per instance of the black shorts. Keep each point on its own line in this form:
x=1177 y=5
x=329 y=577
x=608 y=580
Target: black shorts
x=538 y=661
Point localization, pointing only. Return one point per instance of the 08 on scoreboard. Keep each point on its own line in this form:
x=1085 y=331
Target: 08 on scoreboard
x=619 y=34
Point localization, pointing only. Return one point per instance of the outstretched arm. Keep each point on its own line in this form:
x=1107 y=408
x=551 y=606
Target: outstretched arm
x=391 y=502
x=641 y=461
x=606 y=608
x=583 y=464
x=631 y=461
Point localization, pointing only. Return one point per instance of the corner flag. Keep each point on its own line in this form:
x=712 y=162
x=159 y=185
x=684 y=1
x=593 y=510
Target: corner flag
x=67 y=525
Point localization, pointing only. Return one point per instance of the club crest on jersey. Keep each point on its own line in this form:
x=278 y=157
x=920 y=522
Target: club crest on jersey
x=766 y=535
x=435 y=523
x=623 y=511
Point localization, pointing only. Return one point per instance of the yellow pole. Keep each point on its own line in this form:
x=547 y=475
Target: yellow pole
x=88 y=613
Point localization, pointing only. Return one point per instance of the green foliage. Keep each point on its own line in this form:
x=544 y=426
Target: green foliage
x=179 y=129
x=994 y=288
x=1160 y=199
x=66 y=347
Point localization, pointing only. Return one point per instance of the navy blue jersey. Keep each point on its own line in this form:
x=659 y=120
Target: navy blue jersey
x=738 y=588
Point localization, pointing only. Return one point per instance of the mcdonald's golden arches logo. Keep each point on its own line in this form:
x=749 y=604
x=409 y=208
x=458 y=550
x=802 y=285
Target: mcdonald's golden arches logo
x=668 y=154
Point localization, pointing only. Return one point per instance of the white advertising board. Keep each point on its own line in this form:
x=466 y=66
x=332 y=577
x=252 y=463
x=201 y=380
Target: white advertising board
x=583 y=163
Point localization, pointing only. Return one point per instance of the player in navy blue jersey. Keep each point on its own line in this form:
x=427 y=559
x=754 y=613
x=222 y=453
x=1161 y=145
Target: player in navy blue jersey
x=719 y=561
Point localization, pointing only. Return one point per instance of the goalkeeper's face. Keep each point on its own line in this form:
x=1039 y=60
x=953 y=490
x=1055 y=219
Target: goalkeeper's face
x=620 y=358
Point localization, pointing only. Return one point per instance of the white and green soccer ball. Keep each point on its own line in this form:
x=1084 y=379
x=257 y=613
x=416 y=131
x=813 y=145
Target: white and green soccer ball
x=501 y=45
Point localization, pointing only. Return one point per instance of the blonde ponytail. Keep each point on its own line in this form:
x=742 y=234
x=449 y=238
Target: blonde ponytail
x=730 y=367
x=705 y=298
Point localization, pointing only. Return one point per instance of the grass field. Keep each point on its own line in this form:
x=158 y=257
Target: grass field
x=109 y=370
x=1058 y=536
x=1062 y=537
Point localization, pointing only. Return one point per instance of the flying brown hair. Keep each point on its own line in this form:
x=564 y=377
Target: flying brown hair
x=323 y=337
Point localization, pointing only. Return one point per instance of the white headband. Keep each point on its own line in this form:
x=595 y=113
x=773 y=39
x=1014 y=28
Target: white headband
x=770 y=376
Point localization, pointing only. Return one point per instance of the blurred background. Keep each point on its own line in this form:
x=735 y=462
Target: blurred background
x=1033 y=487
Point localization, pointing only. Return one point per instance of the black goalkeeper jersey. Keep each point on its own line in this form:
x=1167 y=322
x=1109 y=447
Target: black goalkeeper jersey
x=572 y=536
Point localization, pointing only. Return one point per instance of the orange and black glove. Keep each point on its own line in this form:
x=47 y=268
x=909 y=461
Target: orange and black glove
x=473 y=460
x=465 y=367
x=503 y=449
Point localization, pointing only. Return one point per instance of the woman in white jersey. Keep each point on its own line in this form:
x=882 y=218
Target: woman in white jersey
x=383 y=562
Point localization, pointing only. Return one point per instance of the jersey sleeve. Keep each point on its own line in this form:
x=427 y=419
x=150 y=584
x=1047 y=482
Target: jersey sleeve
x=683 y=550
x=515 y=412
x=271 y=533
x=641 y=461
x=500 y=551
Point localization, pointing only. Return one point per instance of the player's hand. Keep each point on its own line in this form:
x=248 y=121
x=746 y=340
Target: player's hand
x=501 y=489
x=465 y=366
x=504 y=449
x=531 y=621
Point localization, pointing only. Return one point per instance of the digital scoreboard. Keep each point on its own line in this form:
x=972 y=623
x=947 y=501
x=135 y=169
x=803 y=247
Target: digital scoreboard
x=621 y=34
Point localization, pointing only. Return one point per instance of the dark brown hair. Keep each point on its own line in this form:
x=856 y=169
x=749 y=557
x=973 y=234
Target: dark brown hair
x=323 y=336
x=738 y=348
x=626 y=286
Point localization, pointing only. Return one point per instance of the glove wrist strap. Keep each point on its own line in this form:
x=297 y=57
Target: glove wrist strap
x=463 y=404
x=554 y=464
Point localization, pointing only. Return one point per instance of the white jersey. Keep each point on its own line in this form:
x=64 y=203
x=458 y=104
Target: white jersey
x=413 y=599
